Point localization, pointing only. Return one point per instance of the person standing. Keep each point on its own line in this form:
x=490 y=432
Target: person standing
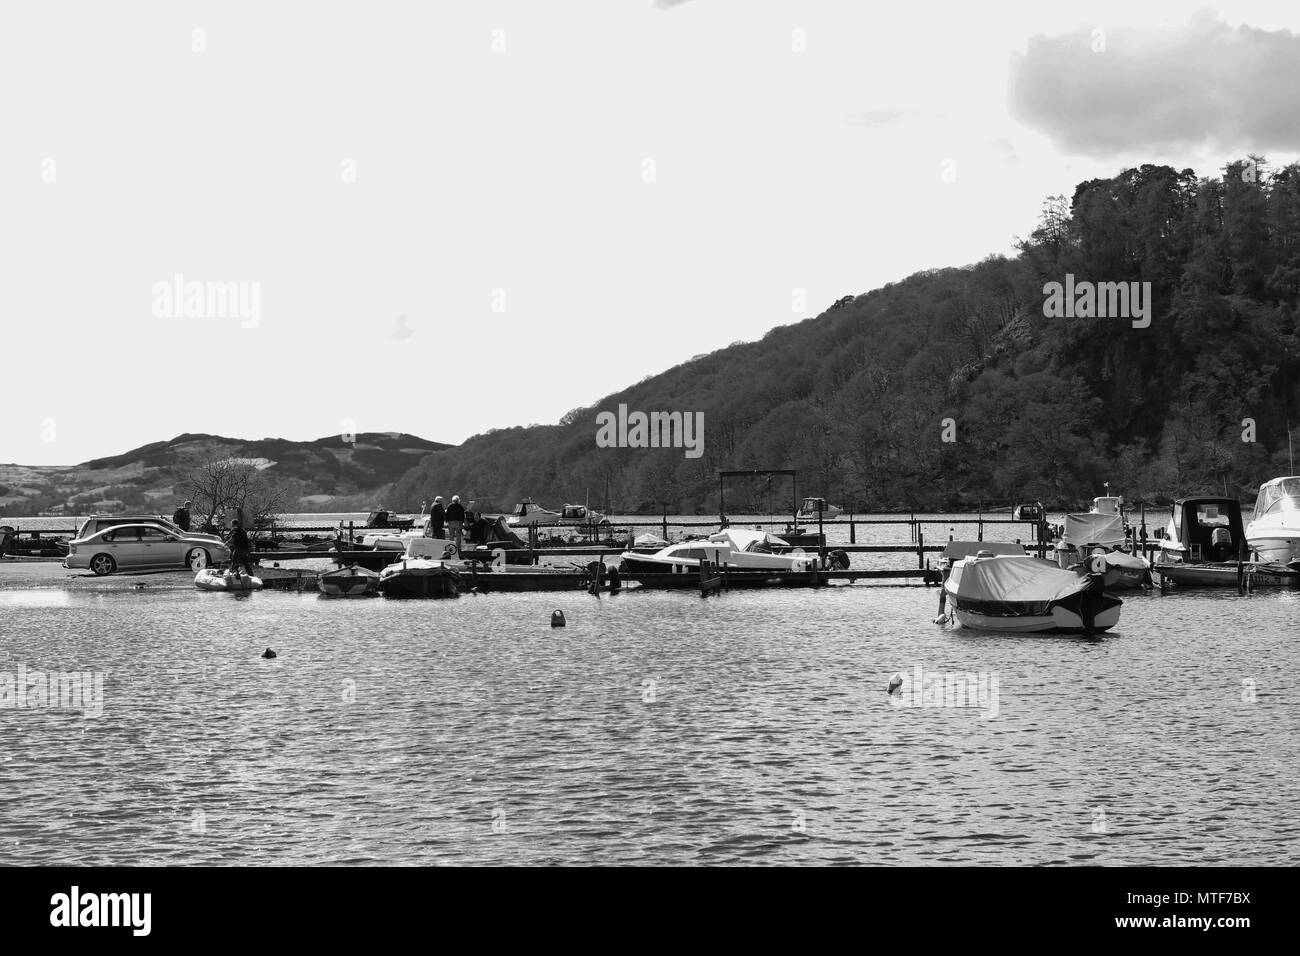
x=437 y=516
x=239 y=547
x=182 y=517
x=455 y=520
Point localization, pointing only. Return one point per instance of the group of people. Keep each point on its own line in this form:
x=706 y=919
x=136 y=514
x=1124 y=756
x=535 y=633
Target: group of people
x=454 y=522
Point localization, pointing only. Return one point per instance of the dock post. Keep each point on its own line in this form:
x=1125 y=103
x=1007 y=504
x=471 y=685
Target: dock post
x=920 y=548
x=665 y=525
x=853 y=530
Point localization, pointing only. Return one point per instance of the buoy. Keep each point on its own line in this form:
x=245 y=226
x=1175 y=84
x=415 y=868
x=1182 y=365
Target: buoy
x=269 y=654
x=557 y=619
x=895 y=682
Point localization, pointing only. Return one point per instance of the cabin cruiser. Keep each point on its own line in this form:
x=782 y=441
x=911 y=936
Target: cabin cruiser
x=1016 y=593
x=737 y=548
x=528 y=512
x=1274 y=532
x=1205 y=545
x=812 y=507
x=1100 y=540
x=581 y=514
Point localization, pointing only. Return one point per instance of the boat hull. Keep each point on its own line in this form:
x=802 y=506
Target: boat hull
x=348 y=582
x=1225 y=575
x=1275 y=548
x=1067 y=616
x=419 y=582
x=209 y=579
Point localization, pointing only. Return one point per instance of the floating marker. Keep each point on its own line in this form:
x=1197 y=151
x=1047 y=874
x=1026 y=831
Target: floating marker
x=557 y=619
x=268 y=654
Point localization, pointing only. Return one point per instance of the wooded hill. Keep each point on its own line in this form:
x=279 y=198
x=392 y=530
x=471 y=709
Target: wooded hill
x=1046 y=408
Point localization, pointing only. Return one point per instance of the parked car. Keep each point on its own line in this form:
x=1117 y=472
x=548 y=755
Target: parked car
x=144 y=547
x=97 y=523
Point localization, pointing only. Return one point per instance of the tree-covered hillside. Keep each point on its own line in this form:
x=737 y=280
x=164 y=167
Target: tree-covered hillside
x=1049 y=408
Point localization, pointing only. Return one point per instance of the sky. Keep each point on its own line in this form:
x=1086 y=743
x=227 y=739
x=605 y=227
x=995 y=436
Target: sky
x=442 y=218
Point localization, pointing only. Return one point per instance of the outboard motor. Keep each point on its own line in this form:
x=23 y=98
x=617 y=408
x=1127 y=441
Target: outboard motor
x=1220 y=545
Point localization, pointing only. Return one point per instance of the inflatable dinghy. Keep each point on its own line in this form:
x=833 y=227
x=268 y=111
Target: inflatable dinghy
x=210 y=579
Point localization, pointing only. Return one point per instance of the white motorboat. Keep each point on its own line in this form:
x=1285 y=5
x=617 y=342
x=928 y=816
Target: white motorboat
x=528 y=512
x=737 y=548
x=1274 y=531
x=1016 y=593
x=812 y=507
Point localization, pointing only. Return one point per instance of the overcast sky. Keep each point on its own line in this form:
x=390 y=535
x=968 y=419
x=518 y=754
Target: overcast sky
x=476 y=215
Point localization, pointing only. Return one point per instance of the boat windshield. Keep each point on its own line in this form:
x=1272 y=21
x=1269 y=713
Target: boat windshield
x=1278 y=497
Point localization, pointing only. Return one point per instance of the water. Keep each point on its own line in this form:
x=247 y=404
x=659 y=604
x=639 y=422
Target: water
x=750 y=728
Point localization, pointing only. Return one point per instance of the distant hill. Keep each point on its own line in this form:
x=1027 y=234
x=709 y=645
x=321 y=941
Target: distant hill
x=959 y=386
x=323 y=475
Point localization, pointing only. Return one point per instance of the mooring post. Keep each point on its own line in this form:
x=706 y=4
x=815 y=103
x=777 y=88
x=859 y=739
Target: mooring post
x=920 y=548
x=853 y=530
x=665 y=525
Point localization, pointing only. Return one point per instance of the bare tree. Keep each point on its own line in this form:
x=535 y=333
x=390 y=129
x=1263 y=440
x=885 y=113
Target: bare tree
x=220 y=484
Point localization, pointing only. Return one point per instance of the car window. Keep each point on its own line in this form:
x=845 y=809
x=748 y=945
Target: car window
x=123 y=534
x=153 y=534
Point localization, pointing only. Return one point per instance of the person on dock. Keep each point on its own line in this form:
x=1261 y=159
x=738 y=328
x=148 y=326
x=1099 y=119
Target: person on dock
x=437 y=515
x=240 y=547
x=182 y=517
x=455 y=520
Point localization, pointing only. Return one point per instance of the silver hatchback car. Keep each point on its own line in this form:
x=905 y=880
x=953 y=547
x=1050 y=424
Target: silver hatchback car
x=143 y=547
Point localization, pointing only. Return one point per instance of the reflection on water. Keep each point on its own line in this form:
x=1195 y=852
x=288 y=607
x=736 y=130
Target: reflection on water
x=658 y=727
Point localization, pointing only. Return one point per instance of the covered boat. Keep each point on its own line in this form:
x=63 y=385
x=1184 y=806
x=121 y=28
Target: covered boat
x=1274 y=532
x=351 y=581
x=1098 y=542
x=1019 y=593
x=419 y=577
x=210 y=579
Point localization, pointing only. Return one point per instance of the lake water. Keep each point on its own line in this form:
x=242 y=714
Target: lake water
x=749 y=728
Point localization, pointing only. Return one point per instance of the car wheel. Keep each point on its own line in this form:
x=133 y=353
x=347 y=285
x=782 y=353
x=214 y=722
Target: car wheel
x=103 y=564
x=198 y=559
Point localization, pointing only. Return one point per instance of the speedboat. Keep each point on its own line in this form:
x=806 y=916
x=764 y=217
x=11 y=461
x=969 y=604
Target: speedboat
x=1018 y=593
x=419 y=577
x=812 y=507
x=1205 y=545
x=383 y=518
x=528 y=512
x=1274 y=532
x=737 y=548
x=1099 y=540
x=352 y=581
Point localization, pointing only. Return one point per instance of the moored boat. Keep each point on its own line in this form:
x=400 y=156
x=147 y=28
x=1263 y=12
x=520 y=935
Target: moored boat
x=812 y=507
x=1204 y=545
x=419 y=577
x=1098 y=542
x=528 y=512
x=1016 y=593
x=737 y=548
x=1274 y=531
x=351 y=581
